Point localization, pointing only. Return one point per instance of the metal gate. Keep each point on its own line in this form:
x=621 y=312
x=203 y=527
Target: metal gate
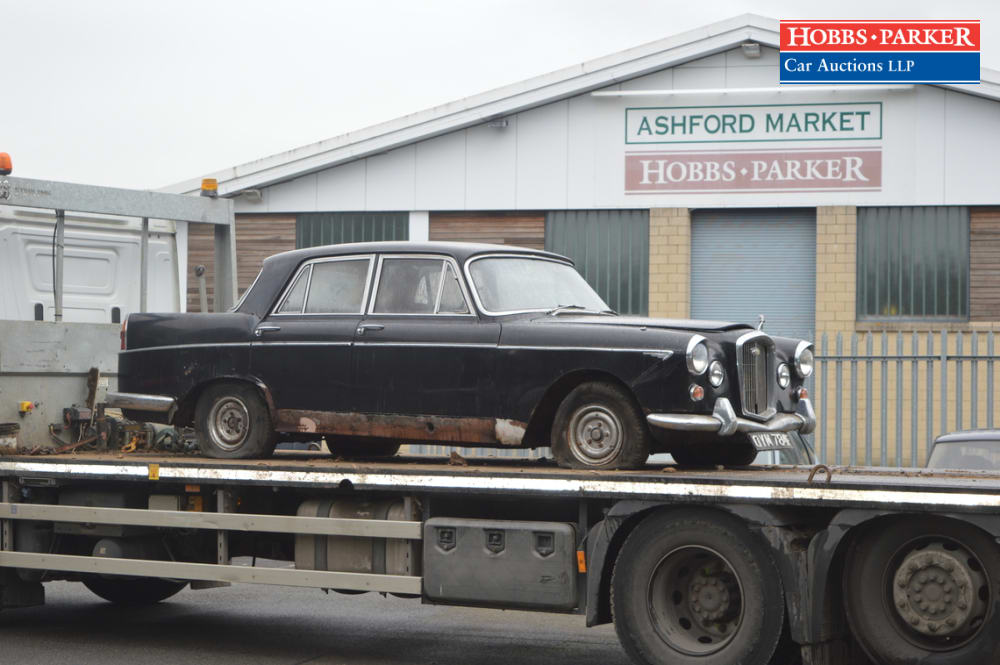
x=333 y=228
x=610 y=249
x=750 y=262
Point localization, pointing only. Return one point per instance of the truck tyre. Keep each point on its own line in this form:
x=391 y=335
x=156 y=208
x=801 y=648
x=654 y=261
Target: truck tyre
x=696 y=588
x=132 y=591
x=924 y=590
x=232 y=422
x=361 y=446
x=599 y=426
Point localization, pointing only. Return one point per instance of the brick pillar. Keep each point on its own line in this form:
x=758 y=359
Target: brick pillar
x=670 y=262
x=836 y=270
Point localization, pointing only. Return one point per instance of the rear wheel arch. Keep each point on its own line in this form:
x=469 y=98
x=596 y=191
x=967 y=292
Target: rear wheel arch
x=186 y=405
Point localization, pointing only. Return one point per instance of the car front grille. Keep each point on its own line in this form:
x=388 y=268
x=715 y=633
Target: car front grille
x=754 y=377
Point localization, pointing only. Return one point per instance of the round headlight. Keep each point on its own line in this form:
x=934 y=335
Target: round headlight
x=716 y=374
x=697 y=355
x=804 y=359
x=784 y=376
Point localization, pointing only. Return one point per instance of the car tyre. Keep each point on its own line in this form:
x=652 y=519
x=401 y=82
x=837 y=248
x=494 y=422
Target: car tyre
x=599 y=426
x=133 y=591
x=232 y=422
x=696 y=588
x=891 y=609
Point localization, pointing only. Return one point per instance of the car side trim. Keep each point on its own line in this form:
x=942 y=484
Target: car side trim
x=174 y=347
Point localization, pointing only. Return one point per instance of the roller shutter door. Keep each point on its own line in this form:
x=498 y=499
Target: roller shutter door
x=523 y=229
x=611 y=251
x=750 y=262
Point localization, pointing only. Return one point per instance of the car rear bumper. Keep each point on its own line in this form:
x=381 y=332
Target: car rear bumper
x=725 y=422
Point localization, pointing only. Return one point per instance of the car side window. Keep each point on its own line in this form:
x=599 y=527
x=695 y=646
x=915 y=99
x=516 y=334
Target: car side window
x=415 y=286
x=337 y=287
x=296 y=295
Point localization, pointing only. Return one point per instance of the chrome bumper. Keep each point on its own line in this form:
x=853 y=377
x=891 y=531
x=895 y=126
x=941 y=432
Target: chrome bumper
x=725 y=422
x=157 y=403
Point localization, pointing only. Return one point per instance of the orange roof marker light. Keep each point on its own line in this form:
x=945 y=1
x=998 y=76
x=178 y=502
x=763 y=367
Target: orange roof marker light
x=210 y=187
x=5 y=164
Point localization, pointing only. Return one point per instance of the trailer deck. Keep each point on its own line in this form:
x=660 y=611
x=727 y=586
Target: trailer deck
x=780 y=485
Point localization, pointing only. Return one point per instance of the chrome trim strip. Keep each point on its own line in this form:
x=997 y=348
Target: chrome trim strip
x=445 y=258
x=463 y=345
x=475 y=293
x=664 y=353
x=172 y=347
x=308 y=266
x=725 y=422
x=302 y=343
x=688 y=353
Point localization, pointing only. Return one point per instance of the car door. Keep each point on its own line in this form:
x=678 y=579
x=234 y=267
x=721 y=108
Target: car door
x=421 y=349
x=302 y=349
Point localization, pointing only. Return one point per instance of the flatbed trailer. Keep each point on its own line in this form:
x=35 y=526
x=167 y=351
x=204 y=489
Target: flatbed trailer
x=820 y=565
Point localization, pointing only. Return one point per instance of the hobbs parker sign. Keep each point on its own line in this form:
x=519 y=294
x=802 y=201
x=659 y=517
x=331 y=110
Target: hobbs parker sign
x=651 y=167
x=734 y=124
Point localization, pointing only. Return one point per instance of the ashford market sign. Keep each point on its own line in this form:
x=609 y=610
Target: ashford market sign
x=701 y=168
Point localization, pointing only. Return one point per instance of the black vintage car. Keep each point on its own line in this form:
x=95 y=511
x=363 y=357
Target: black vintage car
x=375 y=344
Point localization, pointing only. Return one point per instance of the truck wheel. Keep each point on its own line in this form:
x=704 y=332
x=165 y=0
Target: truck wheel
x=599 y=426
x=923 y=590
x=133 y=591
x=696 y=588
x=360 y=446
x=232 y=422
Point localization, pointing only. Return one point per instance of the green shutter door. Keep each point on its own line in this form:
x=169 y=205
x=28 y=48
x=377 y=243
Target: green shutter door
x=333 y=228
x=750 y=262
x=610 y=249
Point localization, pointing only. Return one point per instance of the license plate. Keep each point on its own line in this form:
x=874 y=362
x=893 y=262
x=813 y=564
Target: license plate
x=771 y=440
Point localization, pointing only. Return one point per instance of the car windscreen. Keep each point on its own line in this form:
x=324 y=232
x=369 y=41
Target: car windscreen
x=973 y=455
x=518 y=284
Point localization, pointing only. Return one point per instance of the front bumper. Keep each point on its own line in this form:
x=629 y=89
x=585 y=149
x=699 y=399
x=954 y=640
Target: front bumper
x=725 y=422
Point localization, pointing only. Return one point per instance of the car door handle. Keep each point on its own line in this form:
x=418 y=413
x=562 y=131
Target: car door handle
x=263 y=329
x=369 y=326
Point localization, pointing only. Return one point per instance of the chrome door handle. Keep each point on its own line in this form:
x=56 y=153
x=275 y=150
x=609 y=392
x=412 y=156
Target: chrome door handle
x=263 y=329
x=369 y=326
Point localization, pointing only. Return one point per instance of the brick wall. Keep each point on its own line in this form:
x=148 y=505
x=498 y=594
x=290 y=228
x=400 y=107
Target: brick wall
x=836 y=271
x=670 y=262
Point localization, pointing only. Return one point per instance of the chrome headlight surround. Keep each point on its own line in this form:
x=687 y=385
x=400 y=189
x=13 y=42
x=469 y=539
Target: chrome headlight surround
x=804 y=359
x=697 y=355
x=784 y=376
x=716 y=373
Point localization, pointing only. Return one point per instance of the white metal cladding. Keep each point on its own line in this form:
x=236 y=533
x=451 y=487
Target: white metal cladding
x=750 y=262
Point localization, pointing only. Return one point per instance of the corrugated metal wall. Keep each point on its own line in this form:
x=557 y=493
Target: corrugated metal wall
x=750 y=262
x=611 y=251
x=913 y=262
x=333 y=228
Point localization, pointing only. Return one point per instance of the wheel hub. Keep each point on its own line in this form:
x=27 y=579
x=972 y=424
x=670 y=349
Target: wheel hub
x=229 y=423
x=936 y=592
x=709 y=598
x=595 y=434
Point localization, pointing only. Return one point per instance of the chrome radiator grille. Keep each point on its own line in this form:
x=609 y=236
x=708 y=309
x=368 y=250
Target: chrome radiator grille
x=754 y=377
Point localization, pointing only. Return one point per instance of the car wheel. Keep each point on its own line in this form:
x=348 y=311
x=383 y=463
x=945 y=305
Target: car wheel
x=232 y=422
x=599 y=426
x=696 y=588
x=924 y=590
x=360 y=446
x=133 y=591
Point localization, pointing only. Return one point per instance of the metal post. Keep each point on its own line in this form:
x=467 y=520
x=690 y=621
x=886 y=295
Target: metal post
x=854 y=399
x=199 y=272
x=224 y=295
x=7 y=530
x=144 y=265
x=222 y=537
x=57 y=270
x=943 y=397
x=838 y=440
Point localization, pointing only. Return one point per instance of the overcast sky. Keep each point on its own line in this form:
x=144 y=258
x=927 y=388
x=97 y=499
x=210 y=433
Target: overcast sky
x=145 y=94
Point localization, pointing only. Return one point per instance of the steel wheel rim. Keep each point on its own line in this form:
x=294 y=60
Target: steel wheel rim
x=911 y=590
x=695 y=600
x=595 y=434
x=229 y=423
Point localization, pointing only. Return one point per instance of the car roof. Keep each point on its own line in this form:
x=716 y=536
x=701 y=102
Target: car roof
x=970 y=435
x=460 y=250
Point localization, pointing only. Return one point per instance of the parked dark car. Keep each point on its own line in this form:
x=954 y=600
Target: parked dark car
x=976 y=450
x=375 y=344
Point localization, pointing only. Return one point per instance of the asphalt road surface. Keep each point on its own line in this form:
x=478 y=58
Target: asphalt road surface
x=253 y=625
